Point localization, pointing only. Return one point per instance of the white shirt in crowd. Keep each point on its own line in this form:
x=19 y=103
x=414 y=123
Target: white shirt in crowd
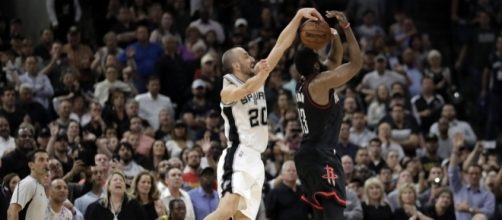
x=149 y=107
x=7 y=145
x=167 y=197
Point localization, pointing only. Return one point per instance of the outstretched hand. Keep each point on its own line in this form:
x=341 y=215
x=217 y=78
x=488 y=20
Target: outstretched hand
x=340 y=16
x=311 y=13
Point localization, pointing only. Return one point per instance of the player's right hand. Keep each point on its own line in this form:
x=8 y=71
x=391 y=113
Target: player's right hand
x=310 y=13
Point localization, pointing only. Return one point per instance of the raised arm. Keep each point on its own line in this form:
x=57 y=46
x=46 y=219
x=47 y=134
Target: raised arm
x=231 y=93
x=454 y=172
x=288 y=35
x=335 y=54
x=336 y=77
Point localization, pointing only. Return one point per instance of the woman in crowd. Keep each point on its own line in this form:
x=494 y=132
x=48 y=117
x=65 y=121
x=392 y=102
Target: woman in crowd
x=9 y=183
x=378 y=106
x=158 y=152
x=179 y=140
x=374 y=205
x=408 y=205
x=116 y=203
x=145 y=192
x=443 y=208
x=166 y=28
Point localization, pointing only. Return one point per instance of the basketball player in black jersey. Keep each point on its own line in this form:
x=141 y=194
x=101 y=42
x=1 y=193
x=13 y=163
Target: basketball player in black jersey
x=320 y=112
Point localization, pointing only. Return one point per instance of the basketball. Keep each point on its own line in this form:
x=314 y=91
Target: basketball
x=315 y=34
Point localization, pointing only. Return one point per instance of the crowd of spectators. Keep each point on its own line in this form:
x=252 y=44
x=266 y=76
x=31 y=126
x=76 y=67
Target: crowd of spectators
x=123 y=95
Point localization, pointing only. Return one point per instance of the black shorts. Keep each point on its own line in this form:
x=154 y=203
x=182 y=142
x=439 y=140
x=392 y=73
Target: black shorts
x=321 y=173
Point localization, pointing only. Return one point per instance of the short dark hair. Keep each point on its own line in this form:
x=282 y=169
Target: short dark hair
x=305 y=59
x=33 y=154
x=8 y=88
x=126 y=145
x=375 y=140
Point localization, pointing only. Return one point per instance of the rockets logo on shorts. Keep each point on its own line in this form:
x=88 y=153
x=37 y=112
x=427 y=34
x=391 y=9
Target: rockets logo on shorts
x=330 y=175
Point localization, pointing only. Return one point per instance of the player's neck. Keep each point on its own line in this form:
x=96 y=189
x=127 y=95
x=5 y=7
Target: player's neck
x=241 y=76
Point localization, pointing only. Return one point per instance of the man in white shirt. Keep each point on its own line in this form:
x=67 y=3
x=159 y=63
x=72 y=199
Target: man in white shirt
x=359 y=134
x=455 y=125
x=59 y=194
x=29 y=200
x=206 y=24
x=96 y=179
x=152 y=102
x=111 y=81
x=381 y=75
x=7 y=142
x=173 y=191
x=40 y=83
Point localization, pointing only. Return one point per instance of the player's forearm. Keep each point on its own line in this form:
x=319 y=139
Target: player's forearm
x=256 y=82
x=356 y=58
x=336 y=52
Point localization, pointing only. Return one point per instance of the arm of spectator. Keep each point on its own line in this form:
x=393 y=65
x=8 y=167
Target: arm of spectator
x=453 y=168
x=47 y=90
x=488 y=206
x=96 y=62
x=469 y=135
x=78 y=10
x=410 y=143
x=126 y=36
x=102 y=149
x=356 y=210
x=51 y=12
x=335 y=54
x=13 y=211
x=54 y=129
x=78 y=167
x=473 y=157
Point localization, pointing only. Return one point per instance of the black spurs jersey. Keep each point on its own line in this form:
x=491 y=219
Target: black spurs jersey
x=320 y=124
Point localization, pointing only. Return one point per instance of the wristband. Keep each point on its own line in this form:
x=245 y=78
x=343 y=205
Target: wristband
x=346 y=26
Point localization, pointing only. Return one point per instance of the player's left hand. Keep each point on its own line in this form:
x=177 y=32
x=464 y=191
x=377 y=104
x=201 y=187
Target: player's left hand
x=262 y=67
x=340 y=16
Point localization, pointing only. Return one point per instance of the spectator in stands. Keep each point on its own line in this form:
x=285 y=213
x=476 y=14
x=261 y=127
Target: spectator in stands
x=144 y=141
x=384 y=133
x=151 y=103
x=359 y=134
x=17 y=160
x=179 y=210
x=158 y=153
x=408 y=204
x=145 y=192
x=39 y=82
x=491 y=76
x=58 y=195
x=7 y=142
x=455 y=125
x=43 y=48
x=116 y=203
x=427 y=105
x=374 y=205
x=9 y=184
x=377 y=108
x=404 y=178
x=205 y=24
x=439 y=73
x=8 y=109
x=443 y=208
x=166 y=28
x=192 y=169
x=348 y=167
x=404 y=129
x=179 y=140
x=111 y=47
x=96 y=179
x=362 y=157
x=205 y=198
x=375 y=155
x=75 y=50
x=434 y=184
x=166 y=126
x=102 y=89
x=353 y=211
x=430 y=158
x=173 y=191
x=199 y=104
x=125 y=154
x=39 y=116
x=283 y=201
x=345 y=146
x=470 y=199
x=369 y=29
x=142 y=55
x=381 y=75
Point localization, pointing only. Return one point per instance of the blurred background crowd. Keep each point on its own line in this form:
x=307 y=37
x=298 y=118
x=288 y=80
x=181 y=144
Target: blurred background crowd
x=133 y=86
